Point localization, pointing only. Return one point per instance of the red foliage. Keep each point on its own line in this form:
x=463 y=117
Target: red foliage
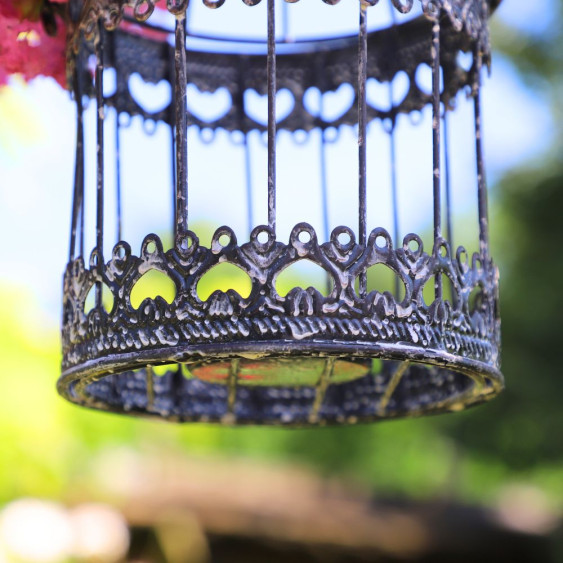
x=25 y=47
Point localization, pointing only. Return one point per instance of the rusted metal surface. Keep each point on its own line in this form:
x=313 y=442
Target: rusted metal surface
x=304 y=358
x=304 y=323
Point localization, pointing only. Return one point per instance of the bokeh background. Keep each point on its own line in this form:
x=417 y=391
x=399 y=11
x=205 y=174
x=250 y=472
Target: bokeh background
x=485 y=484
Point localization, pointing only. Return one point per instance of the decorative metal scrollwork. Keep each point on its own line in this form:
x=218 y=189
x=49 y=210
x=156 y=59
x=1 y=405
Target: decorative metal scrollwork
x=350 y=354
x=442 y=332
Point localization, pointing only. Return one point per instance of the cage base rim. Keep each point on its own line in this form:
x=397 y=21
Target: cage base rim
x=487 y=380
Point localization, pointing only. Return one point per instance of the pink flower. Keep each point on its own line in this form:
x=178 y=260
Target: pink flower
x=25 y=47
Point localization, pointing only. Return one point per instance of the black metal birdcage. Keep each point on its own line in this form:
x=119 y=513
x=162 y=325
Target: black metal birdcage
x=341 y=350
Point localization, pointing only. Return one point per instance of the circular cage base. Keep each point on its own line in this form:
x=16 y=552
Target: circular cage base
x=296 y=390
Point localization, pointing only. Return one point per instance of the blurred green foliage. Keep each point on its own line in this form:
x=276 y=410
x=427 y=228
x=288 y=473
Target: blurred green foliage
x=523 y=426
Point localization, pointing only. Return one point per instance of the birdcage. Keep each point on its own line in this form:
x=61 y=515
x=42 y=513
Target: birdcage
x=395 y=323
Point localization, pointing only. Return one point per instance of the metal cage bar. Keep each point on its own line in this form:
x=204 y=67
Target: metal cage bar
x=100 y=117
x=272 y=90
x=180 y=85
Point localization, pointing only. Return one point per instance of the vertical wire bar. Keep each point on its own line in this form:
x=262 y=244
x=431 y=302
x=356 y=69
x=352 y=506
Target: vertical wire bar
x=78 y=195
x=174 y=129
x=393 y=156
x=448 y=186
x=482 y=198
x=177 y=388
x=180 y=86
x=149 y=372
x=321 y=388
x=187 y=22
x=394 y=188
x=394 y=381
x=172 y=118
x=324 y=198
x=176 y=180
x=117 y=152
x=232 y=384
x=118 y=174
x=435 y=54
x=173 y=167
x=100 y=111
x=83 y=181
x=272 y=87
x=82 y=205
x=362 y=129
x=149 y=379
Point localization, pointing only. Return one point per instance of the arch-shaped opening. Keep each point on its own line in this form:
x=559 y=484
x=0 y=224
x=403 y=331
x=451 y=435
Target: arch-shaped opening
x=107 y=299
x=382 y=278
x=423 y=78
x=223 y=277
x=376 y=366
x=465 y=60
x=476 y=299
x=429 y=290
x=152 y=284
x=163 y=369
x=304 y=274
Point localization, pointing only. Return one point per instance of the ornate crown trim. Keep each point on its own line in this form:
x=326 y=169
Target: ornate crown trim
x=458 y=334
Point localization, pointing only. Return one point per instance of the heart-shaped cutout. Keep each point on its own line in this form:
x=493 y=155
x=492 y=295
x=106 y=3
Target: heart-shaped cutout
x=465 y=60
x=378 y=94
x=334 y=104
x=208 y=106
x=383 y=96
x=256 y=106
x=151 y=97
x=400 y=87
x=423 y=78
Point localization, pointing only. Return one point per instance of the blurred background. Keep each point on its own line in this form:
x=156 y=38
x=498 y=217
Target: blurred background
x=485 y=484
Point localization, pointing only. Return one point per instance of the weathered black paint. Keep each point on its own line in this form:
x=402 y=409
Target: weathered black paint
x=435 y=357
